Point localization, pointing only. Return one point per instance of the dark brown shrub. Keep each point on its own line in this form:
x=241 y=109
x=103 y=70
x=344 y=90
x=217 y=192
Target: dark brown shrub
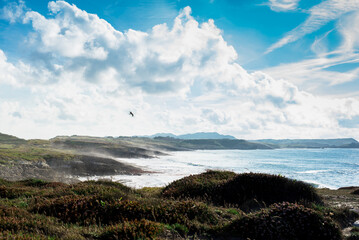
x=264 y=189
x=203 y=186
x=247 y=190
x=285 y=221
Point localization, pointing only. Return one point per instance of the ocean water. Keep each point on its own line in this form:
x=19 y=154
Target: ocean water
x=331 y=168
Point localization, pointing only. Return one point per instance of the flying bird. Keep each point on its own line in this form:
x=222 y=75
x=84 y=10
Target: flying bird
x=131 y=113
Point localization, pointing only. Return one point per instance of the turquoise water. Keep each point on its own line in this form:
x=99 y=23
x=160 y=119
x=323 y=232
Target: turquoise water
x=332 y=168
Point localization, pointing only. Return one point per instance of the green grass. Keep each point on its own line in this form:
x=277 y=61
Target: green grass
x=33 y=154
x=8 y=139
x=36 y=209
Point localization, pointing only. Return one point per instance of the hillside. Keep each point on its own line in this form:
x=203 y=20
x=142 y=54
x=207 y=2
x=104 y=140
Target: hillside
x=62 y=159
x=8 y=140
x=310 y=143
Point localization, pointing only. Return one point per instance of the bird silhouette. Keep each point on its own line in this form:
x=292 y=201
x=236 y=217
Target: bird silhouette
x=131 y=113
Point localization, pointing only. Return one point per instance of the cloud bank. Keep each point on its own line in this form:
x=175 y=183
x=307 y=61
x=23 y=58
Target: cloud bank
x=84 y=77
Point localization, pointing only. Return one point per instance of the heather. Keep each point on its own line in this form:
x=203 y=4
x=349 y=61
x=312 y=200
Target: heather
x=195 y=207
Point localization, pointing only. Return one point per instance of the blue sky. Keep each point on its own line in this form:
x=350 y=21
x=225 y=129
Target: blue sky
x=253 y=69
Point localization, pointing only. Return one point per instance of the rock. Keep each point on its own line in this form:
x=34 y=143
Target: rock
x=356 y=224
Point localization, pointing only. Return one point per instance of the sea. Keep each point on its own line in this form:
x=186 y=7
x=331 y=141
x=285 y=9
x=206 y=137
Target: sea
x=323 y=168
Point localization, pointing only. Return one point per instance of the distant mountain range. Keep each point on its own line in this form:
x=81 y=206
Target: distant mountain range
x=270 y=143
x=198 y=135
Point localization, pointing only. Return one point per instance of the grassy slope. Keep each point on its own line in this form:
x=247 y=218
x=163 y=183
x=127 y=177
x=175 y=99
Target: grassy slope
x=106 y=210
x=54 y=160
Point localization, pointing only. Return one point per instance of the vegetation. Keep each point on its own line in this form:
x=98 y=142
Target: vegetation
x=285 y=221
x=354 y=234
x=246 y=191
x=36 y=209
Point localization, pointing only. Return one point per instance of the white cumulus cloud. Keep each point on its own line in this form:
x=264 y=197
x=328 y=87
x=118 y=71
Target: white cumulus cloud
x=182 y=78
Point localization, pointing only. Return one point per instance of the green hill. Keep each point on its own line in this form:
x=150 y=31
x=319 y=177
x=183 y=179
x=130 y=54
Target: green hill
x=8 y=140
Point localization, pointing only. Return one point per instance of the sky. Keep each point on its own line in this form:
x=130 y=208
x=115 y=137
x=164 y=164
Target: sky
x=249 y=68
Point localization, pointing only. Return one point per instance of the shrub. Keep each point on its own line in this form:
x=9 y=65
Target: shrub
x=14 y=192
x=285 y=221
x=353 y=236
x=17 y=223
x=184 y=212
x=21 y=236
x=4 y=182
x=356 y=192
x=91 y=210
x=203 y=186
x=142 y=229
x=34 y=182
x=245 y=190
x=14 y=219
x=178 y=228
x=74 y=209
x=343 y=216
x=106 y=191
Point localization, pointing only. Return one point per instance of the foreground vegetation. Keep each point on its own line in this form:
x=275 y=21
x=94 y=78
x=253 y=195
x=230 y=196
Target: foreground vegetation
x=212 y=205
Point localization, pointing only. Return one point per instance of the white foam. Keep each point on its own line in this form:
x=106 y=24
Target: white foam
x=313 y=171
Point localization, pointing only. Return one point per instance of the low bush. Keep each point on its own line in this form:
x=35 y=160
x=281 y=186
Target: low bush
x=202 y=186
x=91 y=210
x=132 y=230
x=251 y=189
x=106 y=191
x=74 y=209
x=18 y=223
x=13 y=219
x=284 y=221
x=22 y=236
x=247 y=190
x=33 y=182
x=15 y=192
x=356 y=192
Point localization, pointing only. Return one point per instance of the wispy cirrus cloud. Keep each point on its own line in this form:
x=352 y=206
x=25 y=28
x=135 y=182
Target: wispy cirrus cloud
x=283 y=5
x=319 y=15
x=327 y=70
